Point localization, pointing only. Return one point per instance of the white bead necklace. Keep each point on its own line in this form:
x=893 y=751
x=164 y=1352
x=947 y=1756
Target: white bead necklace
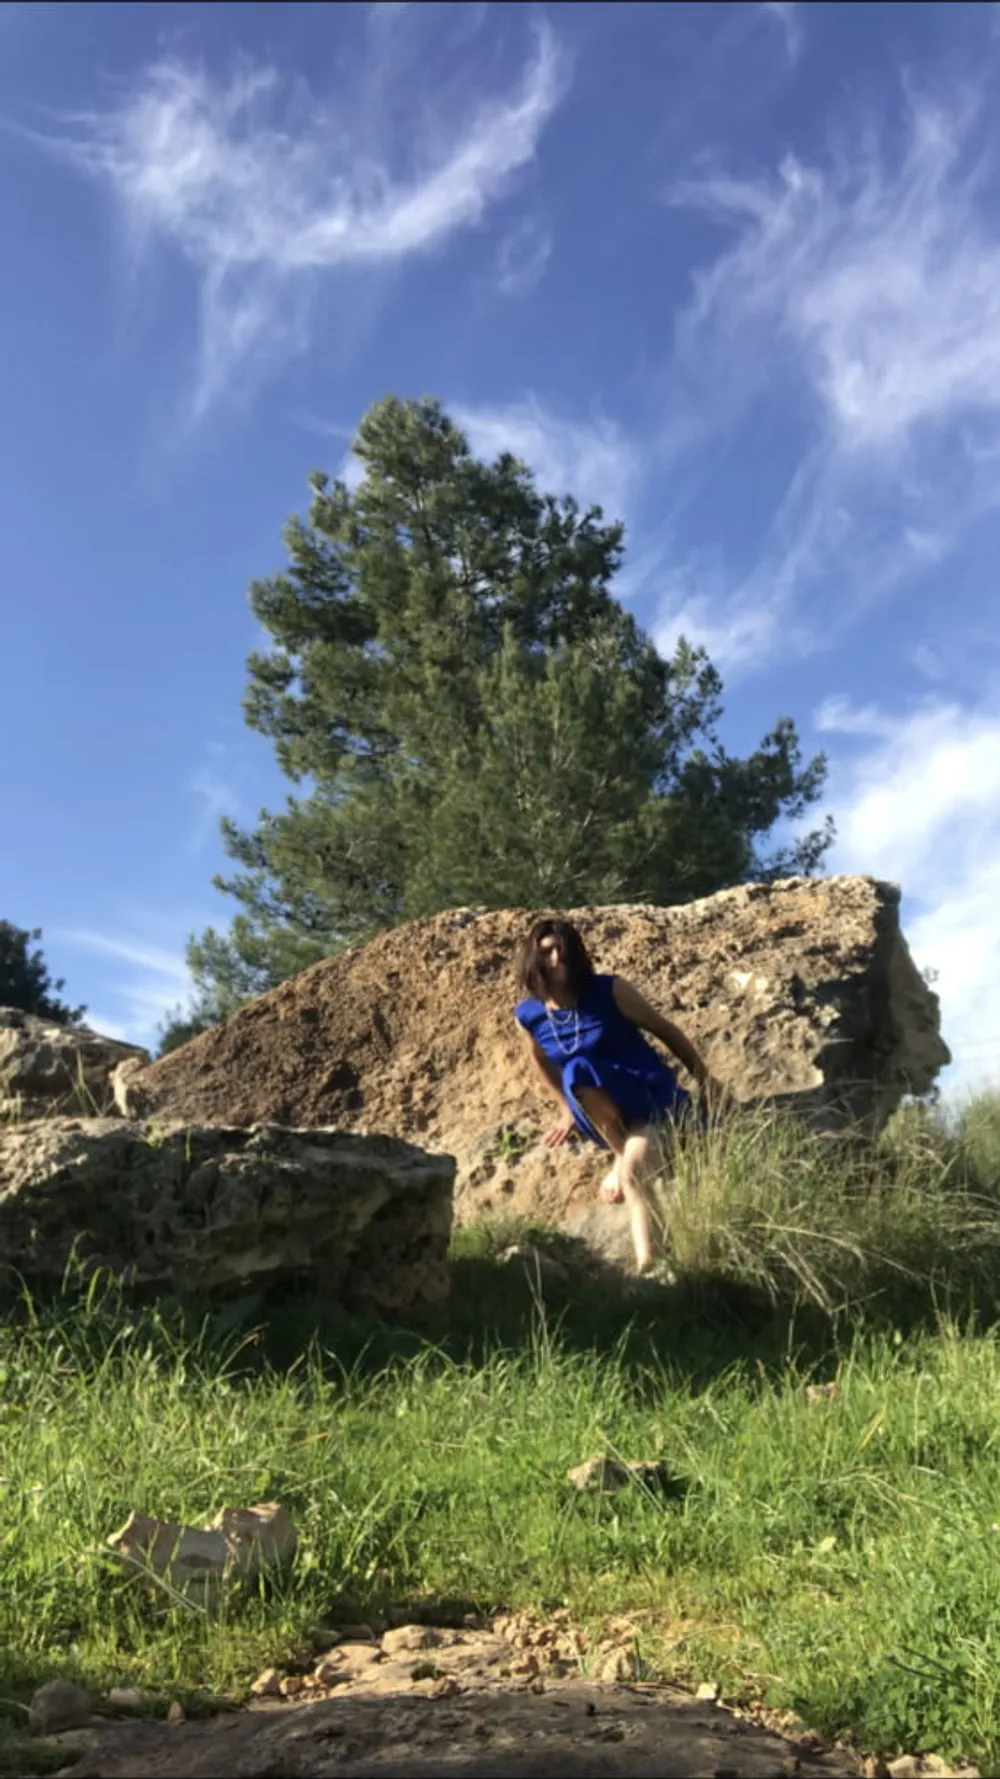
x=574 y=1048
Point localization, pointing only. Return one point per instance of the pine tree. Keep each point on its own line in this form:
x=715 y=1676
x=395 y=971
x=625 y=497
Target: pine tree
x=474 y=718
x=24 y=978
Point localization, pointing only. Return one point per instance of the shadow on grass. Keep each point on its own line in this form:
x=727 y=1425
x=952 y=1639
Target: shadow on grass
x=697 y=1328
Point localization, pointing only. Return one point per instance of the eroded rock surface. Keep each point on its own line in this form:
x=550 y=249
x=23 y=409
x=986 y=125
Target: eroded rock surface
x=507 y=1698
x=215 y=1210
x=571 y=1730
x=801 y=992
x=47 y=1069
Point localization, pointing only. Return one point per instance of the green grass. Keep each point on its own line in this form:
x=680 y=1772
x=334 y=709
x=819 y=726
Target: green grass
x=838 y=1225
x=838 y=1557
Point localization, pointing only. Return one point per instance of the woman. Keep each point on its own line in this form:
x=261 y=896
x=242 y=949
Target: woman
x=585 y=1034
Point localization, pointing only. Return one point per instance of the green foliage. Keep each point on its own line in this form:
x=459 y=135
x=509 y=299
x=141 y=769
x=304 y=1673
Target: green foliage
x=474 y=718
x=24 y=978
x=179 y=1028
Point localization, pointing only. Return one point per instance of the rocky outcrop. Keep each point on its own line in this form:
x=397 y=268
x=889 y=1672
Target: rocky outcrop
x=366 y=1219
x=801 y=992
x=48 y=1069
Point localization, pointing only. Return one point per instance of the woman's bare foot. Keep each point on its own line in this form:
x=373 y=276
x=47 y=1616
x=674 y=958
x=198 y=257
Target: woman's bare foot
x=611 y=1188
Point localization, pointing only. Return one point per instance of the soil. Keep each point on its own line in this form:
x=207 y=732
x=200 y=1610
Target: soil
x=479 y=1702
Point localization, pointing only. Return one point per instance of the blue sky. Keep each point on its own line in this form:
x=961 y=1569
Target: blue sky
x=731 y=270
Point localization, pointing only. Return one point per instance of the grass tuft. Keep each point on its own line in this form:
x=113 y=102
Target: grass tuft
x=762 y=1204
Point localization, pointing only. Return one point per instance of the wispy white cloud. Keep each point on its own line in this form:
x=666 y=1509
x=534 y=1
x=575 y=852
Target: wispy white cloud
x=787 y=16
x=522 y=257
x=216 y=796
x=863 y=296
x=351 y=471
x=143 y=983
x=594 y=460
x=107 y=1027
x=918 y=801
x=260 y=187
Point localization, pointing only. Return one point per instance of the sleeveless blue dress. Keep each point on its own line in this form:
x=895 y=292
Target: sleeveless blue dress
x=594 y=1045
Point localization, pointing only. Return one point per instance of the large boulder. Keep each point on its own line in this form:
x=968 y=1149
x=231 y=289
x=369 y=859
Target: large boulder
x=47 y=1069
x=367 y=1219
x=801 y=992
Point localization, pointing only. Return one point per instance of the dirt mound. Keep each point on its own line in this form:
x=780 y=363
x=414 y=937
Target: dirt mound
x=802 y=991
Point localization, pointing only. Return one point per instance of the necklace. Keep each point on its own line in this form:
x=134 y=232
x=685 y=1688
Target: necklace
x=569 y=1012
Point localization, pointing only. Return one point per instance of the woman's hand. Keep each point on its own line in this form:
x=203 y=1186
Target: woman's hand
x=560 y=1131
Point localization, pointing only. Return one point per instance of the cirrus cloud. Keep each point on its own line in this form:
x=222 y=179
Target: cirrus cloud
x=261 y=187
x=916 y=799
x=593 y=459
x=860 y=296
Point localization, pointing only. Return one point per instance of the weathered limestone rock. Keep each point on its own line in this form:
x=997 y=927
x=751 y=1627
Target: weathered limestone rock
x=47 y=1069
x=605 y=1476
x=802 y=993
x=197 y=1562
x=367 y=1218
x=58 y=1705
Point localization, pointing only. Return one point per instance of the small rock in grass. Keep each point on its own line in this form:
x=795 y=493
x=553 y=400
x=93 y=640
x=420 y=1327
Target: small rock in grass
x=409 y=1636
x=175 y=1712
x=129 y=1698
x=822 y=1392
x=345 y=1662
x=538 y=1266
x=810 y=1741
x=267 y=1684
x=608 y=1475
x=928 y=1766
x=616 y=1666
x=708 y=1692
x=58 y=1705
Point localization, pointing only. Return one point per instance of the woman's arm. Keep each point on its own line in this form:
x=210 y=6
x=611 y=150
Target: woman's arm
x=637 y=1009
x=545 y=1068
x=552 y=1078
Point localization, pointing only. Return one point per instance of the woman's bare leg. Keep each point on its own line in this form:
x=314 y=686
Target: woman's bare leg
x=625 y=1179
x=637 y=1163
x=605 y=1118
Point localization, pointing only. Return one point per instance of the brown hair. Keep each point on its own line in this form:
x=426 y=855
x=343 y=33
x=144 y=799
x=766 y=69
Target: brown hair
x=532 y=976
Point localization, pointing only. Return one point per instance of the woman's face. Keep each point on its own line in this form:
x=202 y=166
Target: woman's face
x=554 y=964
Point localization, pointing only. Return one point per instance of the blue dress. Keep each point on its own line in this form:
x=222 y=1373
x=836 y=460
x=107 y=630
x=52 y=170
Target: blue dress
x=594 y=1045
